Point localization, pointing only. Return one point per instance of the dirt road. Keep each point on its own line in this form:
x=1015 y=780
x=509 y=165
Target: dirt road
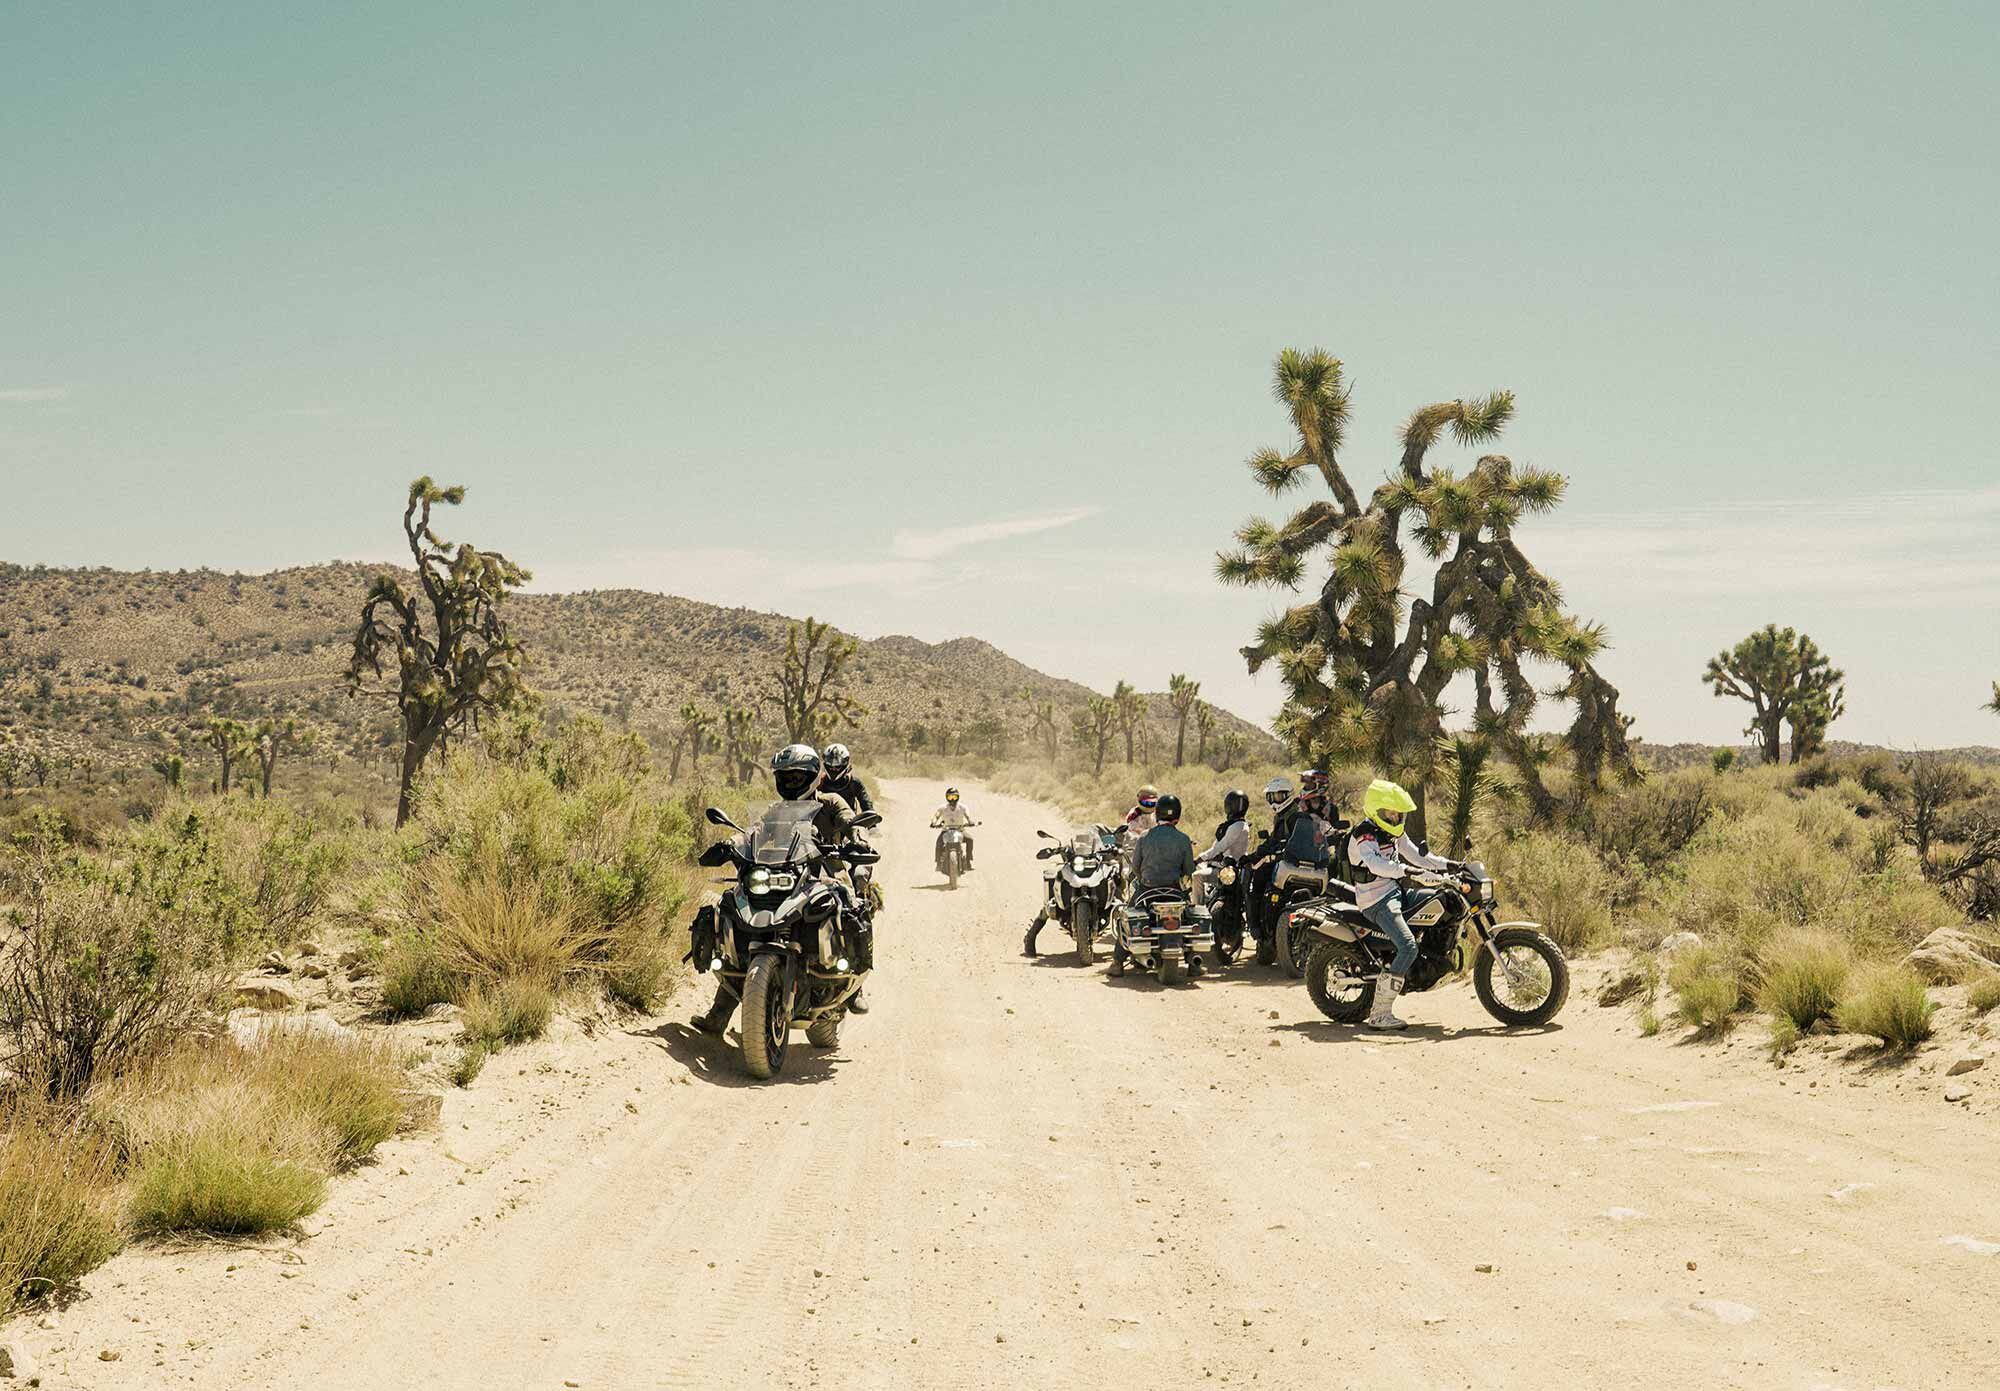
x=1021 y=1173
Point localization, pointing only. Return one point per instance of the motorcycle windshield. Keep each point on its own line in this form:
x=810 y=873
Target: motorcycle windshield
x=785 y=835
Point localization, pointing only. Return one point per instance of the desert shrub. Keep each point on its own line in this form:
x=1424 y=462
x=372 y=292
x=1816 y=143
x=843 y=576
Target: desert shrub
x=1890 y=1003
x=1800 y=975
x=102 y=966
x=413 y=975
x=511 y=1010
x=486 y=931
x=639 y=965
x=1649 y=1021
x=471 y=1062
x=284 y=863
x=1641 y=828
x=1708 y=989
x=1984 y=993
x=1559 y=882
x=230 y=1138
x=59 y=1204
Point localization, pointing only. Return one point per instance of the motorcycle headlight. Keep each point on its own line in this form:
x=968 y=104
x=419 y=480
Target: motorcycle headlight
x=759 y=877
x=1486 y=894
x=1227 y=874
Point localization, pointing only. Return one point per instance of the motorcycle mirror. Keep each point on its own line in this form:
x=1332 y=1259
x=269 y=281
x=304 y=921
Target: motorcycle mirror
x=1043 y=854
x=717 y=817
x=1045 y=835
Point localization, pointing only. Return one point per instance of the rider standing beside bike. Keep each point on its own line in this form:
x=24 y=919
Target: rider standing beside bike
x=1384 y=851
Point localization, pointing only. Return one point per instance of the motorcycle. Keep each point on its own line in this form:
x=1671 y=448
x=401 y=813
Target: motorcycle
x=1162 y=932
x=1516 y=959
x=1224 y=886
x=951 y=852
x=1079 y=887
x=789 y=941
x=1284 y=941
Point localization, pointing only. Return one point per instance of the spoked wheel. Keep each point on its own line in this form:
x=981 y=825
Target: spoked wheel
x=1340 y=996
x=1521 y=976
x=767 y=1019
x=1083 y=921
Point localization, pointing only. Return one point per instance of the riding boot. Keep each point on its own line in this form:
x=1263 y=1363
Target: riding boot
x=1387 y=988
x=715 y=1018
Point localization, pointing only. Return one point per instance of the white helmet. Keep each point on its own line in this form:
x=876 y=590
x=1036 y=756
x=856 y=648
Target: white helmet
x=837 y=760
x=1279 y=794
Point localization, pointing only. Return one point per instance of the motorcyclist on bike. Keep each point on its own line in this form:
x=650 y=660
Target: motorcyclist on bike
x=1232 y=835
x=952 y=816
x=795 y=773
x=1143 y=817
x=841 y=780
x=1384 y=851
x=1164 y=856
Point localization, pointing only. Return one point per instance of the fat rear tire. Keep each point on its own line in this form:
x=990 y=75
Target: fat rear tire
x=1321 y=971
x=767 y=1025
x=1172 y=972
x=1541 y=945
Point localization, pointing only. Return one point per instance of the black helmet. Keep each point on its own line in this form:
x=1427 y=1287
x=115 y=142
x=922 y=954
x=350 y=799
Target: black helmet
x=795 y=771
x=1169 y=809
x=837 y=759
x=1235 y=804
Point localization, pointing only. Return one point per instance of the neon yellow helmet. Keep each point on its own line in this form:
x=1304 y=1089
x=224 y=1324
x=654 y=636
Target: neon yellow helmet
x=1386 y=804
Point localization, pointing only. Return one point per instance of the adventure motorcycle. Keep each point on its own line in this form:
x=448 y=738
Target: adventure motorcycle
x=1226 y=885
x=1520 y=975
x=1079 y=887
x=790 y=942
x=952 y=857
x=1162 y=932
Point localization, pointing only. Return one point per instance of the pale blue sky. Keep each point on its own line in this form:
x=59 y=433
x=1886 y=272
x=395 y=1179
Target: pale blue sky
x=687 y=293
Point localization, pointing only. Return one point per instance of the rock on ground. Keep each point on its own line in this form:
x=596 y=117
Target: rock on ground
x=1952 y=953
x=15 y=1363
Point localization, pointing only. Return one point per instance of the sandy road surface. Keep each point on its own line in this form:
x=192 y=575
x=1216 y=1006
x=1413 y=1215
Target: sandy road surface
x=1022 y=1173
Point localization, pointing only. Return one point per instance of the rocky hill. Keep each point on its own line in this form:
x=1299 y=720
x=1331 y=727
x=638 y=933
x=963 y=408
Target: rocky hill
x=111 y=667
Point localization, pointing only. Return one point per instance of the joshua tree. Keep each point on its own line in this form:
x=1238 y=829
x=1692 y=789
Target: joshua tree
x=269 y=739
x=1365 y=674
x=230 y=739
x=1129 y=708
x=1091 y=727
x=694 y=727
x=173 y=768
x=1043 y=714
x=1183 y=695
x=1994 y=704
x=1204 y=730
x=816 y=662
x=1787 y=680
x=740 y=742
x=455 y=659
x=1469 y=780
x=1230 y=751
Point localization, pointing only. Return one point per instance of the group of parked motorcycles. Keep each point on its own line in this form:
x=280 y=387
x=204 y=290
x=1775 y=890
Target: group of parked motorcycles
x=1303 y=920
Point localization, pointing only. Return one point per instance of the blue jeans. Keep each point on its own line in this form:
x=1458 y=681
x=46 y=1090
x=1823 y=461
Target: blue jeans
x=1387 y=914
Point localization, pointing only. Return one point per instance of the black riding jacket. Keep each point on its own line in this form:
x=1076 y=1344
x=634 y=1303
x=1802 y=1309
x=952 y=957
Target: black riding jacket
x=849 y=789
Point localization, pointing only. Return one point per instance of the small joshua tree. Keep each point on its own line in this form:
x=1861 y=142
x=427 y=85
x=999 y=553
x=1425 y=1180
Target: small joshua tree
x=270 y=739
x=454 y=657
x=1043 y=715
x=1129 y=709
x=691 y=739
x=1204 y=730
x=1091 y=727
x=1183 y=695
x=229 y=740
x=740 y=741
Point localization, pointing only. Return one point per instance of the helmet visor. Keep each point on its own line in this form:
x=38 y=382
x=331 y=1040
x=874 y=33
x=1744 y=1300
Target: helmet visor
x=1391 y=818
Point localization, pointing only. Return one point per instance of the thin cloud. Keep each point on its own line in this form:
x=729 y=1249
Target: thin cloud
x=934 y=545
x=33 y=395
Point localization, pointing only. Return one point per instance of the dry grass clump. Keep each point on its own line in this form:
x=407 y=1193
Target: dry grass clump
x=1800 y=975
x=506 y=1011
x=59 y=1204
x=1889 y=1003
x=233 y=1139
x=1560 y=883
x=1708 y=990
x=489 y=931
x=1984 y=993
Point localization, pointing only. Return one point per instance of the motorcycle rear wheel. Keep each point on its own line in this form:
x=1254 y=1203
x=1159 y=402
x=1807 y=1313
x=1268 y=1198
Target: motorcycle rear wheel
x=1348 y=1005
x=1083 y=921
x=1540 y=962
x=1172 y=972
x=1292 y=946
x=824 y=1033
x=767 y=1024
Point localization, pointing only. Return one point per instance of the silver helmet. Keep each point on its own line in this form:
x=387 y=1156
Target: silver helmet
x=795 y=771
x=1279 y=794
x=837 y=760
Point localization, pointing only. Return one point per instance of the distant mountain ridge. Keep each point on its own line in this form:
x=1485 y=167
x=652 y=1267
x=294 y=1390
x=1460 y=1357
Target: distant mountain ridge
x=106 y=657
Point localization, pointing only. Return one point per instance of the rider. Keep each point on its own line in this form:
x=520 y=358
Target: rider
x=1283 y=801
x=1381 y=847
x=1143 y=817
x=841 y=780
x=796 y=773
x=1232 y=834
x=952 y=816
x=1164 y=856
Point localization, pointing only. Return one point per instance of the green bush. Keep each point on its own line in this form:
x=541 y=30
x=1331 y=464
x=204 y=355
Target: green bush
x=1800 y=975
x=511 y=1010
x=1560 y=883
x=1708 y=990
x=1889 y=1003
x=413 y=975
x=1984 y=993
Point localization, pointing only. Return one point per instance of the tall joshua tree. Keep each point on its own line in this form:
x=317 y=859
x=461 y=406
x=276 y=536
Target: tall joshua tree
x=739 y=743
x=455 y=659
x=230 y=740
x=810 y=680
x=692 y=738
x=1786 y=680
x=1182 y=695
x=270 y=739
x=1366 y=664
x=1204 y=730
x=1091 y=727
x=1129 y=711
x=1043 y=715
